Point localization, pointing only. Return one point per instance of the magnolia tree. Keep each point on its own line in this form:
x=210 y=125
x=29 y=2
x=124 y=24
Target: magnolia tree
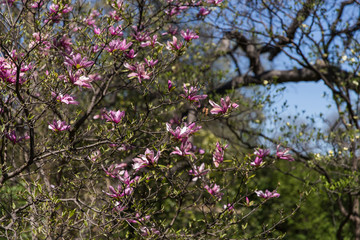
x=98 y=139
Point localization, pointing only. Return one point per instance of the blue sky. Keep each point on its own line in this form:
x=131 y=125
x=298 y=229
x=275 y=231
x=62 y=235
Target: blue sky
x=308 y=96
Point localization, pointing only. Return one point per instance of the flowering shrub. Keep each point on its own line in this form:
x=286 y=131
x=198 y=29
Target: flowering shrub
x=82 y=170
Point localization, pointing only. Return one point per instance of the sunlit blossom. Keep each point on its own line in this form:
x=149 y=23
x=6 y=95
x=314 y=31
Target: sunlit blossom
x=58 y=126
x=145 y=160
x=284 y=154
x=267 y=194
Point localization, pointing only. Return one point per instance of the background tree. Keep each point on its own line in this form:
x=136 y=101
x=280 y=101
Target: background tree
x=318 y=40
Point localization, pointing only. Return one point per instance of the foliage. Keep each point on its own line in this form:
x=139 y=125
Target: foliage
x=101 y=108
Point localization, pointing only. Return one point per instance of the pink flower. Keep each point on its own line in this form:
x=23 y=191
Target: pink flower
x=124 y=177
x=184 y=150
x=131 y=54
x=170 y=86
x=260 y=154
x=77 y=79
x=114 y=117
x=77 y=62
x=114 y=169
x=116 y=31
x=118 y=45
x=191 y=95
x=197 y=172
x=139 y=35
x=267 y=194
x=14 y=138
x=229 y=207
x=97 y=30
x=58 y=126
x=283 y=154
x=203 y=12
x=189 y=35
x=139 y=219
x=67 y=99
x=216 y=2
x=175 y=10
x=225 y=106
x=37 y=4
x=145 y=231
x=139 y=72
x=214 y=190
x=120 y=191
x=184 y=132
x=150 y=42
x=218 y=155
x=114 y=15
x=145 y=160
x=174 y=45
x=151 y=63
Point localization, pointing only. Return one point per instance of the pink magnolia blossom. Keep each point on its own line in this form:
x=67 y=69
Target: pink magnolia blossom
x=114 y=170
x=97 y=30
x=118 y=45
x=119 y=206
x=37 y=4
x=131 y=54
x=203 y=12
x=260 y=154
x=151 y=63
x=218 y=155
x=114 y=117
x=150 y=42
x=67 y=99
x=174 y=45
x=8 y=72
x=191 y=95
x=114 y=15
x=58 y=126
x=139 y=219
x=80 y=80
x=284 y=154
x=170 y=86
x=185 y=149
x=120 y=191
x=188 y=35
x=41 y=42
x=145 y=160
x=184 y=132
x=197 y=172
x=229 y=207
x=145 y=231
x=116 y=31
x=139 y=35
x=75 y=60
x=138 y=71
x=267 y=194
x=225 y=106
x=66 y=8
x=214 y=190
x=216 y=2
x=175 y=10
x=125 y=178
x=14 y=138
